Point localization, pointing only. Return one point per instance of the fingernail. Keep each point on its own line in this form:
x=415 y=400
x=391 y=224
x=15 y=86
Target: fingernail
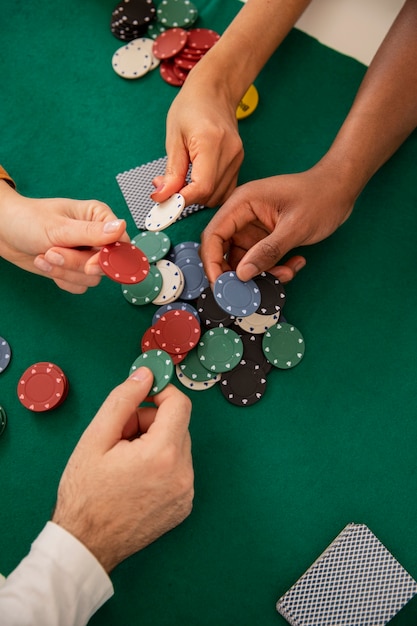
x=111 y=227
x=54 y=258
x=158 y=189
x=299 y=266
x=247 y=271
x=42 y=265
x=142 y=373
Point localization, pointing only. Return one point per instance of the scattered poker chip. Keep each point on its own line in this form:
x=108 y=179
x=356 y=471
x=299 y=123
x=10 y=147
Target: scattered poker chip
x=155 y=29
x=169 y=43
x=245 y=384
x=148 y=341
x=3 y=420
x=195 y=279
x=42 y=387
x=283 y=345
x=177 y=332
x=193 y=368
x=172 y=282
x=169 y=75
x=237 y=297
x=134 y=60
x=210 y=313
x=252 y=350
x=160 y=364
x=272 y=293
x=5 y=354
x=257 y=323
x=195 y=385
x=248 y=103
x=202 y=38
x=220 y=349
x=177 y=13
x=131 y=18
x=185 y=247
x=173 y=306
x=145 y=291
x=154 y=245
x=123 y=262
x=163 y=214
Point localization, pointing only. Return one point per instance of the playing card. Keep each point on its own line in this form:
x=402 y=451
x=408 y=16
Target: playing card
x=136 y=187
x=355 y=582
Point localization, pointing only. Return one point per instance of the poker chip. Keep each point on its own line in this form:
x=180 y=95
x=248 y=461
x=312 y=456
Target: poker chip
x=202 y=38
x=177 y=332
x=154 y=245
x=5 y=354
x=220 y=349
x=248 y=103
x=133 y=60
x=185 y=247
x=210 y=313
x=144 y=292
x=172 y=282
x=245 y=384
x=169 y=43
x=195 y=385
x=272 y=293
x=169 y=75
x=163 y=214
x=252 y=350
x=195 y=279
x=155 y=29
x=283 y=345
x=160 y=364
x=42 y=387
x=177 y=13
x=257 y=323
x=236 y=297
x=130 y=18
x=123 y=262
x=194 y=370
x=148 y=341
x=173 y=306
x=3 y=420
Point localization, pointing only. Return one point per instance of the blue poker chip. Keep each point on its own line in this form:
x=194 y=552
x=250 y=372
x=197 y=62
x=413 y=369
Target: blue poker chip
x=195 y=279
x=189 y=247
x=236 y=297
x=5 y=354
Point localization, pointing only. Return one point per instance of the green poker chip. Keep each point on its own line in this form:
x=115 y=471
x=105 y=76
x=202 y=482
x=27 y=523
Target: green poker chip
x=177 y=13
x=145 y=291
x=3 y=420
x=160 y=364
x=220 y=349
x=154 y=244
x=283 y=345
x=194 y=369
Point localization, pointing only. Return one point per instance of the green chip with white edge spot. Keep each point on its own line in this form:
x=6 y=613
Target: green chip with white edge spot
x=145 y=291
x=3 y=420
x=283 y=345
x=220 y=349
x=160 y=364
x=154 y=244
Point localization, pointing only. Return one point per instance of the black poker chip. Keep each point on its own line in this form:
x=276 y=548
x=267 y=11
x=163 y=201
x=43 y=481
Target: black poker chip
x=130 y=19
x=272 y=294
x=211 y=315
x=245 y=384
x=252 y=350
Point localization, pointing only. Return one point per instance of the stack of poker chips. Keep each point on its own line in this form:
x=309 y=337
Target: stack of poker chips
x=232 y=335
x=42 y=387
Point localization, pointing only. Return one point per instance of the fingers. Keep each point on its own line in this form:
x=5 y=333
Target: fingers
x=171 y=420
x=286 y=272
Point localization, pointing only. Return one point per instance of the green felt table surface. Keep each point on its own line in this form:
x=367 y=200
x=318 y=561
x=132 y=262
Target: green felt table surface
x=333 y=440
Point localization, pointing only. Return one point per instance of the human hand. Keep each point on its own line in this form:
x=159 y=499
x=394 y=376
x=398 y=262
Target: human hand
x=121 y=491
x=265 y=219
x=202 y=130
x=42 y=236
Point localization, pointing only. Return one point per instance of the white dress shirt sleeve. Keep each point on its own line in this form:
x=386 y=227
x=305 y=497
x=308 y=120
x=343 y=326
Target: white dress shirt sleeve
x=59 y=583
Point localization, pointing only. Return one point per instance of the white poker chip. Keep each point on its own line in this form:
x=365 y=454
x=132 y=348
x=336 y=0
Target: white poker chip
x=146 y=44
x=172 y=282
x=257 y=323
x=163 y=214
x=196 y=385
x=133 y=60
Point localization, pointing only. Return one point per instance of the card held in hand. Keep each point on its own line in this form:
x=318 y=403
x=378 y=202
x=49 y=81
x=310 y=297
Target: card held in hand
x=356 y=581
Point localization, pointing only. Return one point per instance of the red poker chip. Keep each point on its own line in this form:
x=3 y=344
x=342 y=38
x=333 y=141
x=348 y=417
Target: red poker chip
x=168 y=74
x=177 y=332
x=42 y=387
x=184 y=63
x=181 y=73
x=202 y=38
x=124 y=263
x=169 y=43
x=192 y=53
x=148 y=341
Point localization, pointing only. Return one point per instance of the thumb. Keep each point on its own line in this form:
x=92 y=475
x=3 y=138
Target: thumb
x=262 y=256
x=107 y=427
x=77 y=233
x=174 y=178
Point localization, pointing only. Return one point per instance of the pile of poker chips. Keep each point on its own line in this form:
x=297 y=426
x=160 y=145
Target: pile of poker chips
x=5 y=357
x=232 y=335
x=42 y=387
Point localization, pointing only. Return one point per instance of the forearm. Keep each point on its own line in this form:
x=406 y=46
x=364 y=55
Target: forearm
x=384 y=112
x=240 y=54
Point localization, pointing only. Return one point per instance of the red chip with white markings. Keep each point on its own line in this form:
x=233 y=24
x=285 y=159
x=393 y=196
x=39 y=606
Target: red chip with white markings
x=169 y=43
x=177 y=332
x=124 y=262
x=42 y=387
